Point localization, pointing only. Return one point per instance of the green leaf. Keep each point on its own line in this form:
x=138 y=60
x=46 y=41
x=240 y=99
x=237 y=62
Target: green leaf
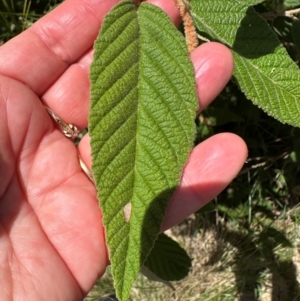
x=291 y=3
x=168 y=260
x=263 y=69
x=151 y=276
x=141 y=123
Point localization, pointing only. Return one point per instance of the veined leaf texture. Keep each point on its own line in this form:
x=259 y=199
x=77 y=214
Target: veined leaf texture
x=141 y=123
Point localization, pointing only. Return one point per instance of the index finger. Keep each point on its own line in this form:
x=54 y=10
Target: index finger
x=38 y=56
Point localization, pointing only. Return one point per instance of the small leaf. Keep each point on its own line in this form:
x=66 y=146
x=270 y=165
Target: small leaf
x=151 y=276
x=263 y=69
x=141 y=123
x=168 y=260
x=291 y=3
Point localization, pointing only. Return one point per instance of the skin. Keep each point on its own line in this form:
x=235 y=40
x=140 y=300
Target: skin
x=52 y=244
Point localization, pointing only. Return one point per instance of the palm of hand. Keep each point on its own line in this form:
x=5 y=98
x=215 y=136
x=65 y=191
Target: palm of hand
x=47 y=207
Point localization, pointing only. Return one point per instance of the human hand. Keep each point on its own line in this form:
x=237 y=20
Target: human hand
x=51 y=238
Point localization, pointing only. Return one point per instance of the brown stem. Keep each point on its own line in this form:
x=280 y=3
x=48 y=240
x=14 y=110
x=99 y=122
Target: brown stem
x=270 y=16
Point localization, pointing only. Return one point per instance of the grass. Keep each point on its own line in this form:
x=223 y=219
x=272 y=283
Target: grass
x=16 y=16
x=245 y=244
x=229 y=264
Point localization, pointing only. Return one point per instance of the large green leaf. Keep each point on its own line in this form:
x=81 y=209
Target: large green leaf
x=263 y=69
x=143 y=103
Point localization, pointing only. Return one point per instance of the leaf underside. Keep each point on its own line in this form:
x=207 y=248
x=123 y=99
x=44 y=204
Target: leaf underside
x=141 y=123
x=263 y=69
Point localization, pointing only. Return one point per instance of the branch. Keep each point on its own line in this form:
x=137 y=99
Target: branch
x=270 y=16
